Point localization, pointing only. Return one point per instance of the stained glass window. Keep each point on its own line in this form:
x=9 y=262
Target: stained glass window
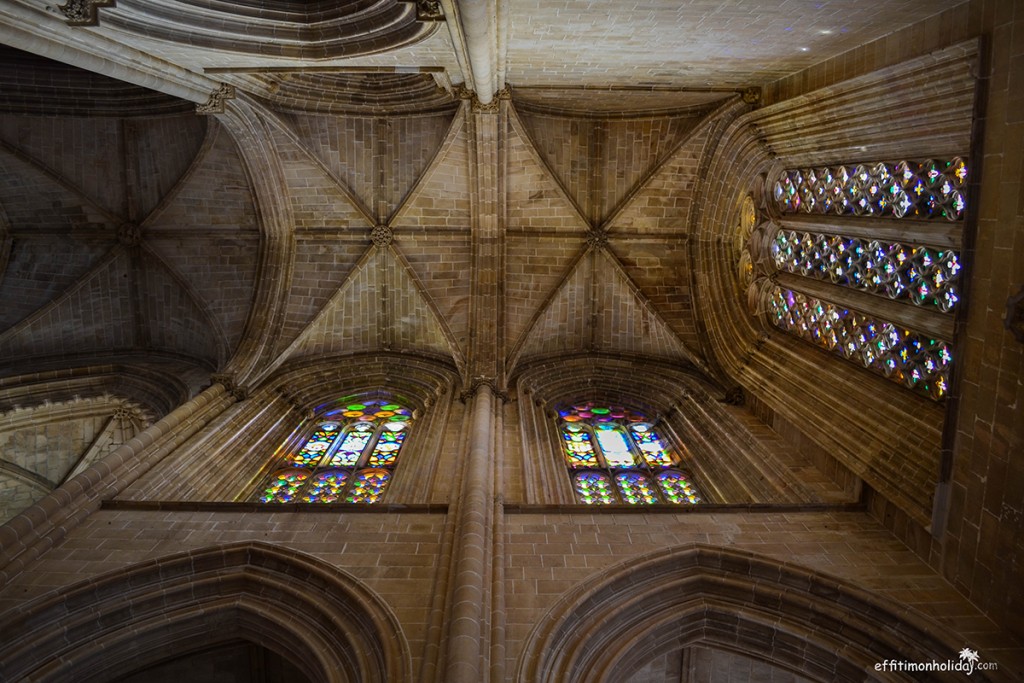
x=350 y=456
x=929 y=189
x=615 y=455
x=915 y=360
x=923 y=275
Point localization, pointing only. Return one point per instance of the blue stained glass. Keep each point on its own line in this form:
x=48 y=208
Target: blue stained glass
x=323 y=469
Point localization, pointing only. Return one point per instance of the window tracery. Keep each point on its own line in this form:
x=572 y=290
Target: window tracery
x=913 y=359
x=615 y=455
x=926 y=276
x=907 y=189
x=350 y=456
x=920 y=274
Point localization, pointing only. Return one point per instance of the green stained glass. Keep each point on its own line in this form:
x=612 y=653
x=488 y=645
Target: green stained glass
x=385 y=453
x=368 y=485
x=316 y=446
x=677 y=487
x=578 y=449
x=636 y=488
x=601 y=441
x=907 y=189
x=282 y=486
x=916 y=273
x=913 y=359
x=346 y=461
x=326 y=487
x=594 y=488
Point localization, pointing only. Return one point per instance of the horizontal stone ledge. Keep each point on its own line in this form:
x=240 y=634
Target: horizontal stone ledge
x=702 y=508
x=441 y=508
x=224 y=506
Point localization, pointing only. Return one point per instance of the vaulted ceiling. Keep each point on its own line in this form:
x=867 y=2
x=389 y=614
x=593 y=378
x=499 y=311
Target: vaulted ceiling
x=134 y=228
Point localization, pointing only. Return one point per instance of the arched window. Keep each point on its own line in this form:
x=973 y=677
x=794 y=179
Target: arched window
x=868 y=228
x=616 y=456
x=350 y=456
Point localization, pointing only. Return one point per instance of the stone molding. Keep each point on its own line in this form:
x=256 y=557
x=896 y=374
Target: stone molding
x=83 y=12
x=215 y=105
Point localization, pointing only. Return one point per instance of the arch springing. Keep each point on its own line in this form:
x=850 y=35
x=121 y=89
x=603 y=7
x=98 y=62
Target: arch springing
x=350 y=456
x=615 y=455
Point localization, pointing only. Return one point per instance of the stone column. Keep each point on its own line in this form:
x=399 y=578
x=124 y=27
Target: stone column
x=468 y=639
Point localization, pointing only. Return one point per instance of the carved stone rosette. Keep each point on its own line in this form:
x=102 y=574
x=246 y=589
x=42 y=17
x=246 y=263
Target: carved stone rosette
x=597 y=238
x=381 y=235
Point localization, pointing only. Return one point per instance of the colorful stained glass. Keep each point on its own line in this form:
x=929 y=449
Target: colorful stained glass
x=326 y=487
x=368 y=485
x=356 y=438
x=915 y=360
x=921 y=274
x=282 y=486
x=594 y=488
x=910 y=189
x=606 y=440
x=366 y=433
x=650 y=445
x=385 y=452
x=316 y=446
x=579 y=452
x=636 y=488
x=677 y=487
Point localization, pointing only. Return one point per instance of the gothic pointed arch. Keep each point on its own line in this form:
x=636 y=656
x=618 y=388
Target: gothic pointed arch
x=322 y=619
x=788 y=616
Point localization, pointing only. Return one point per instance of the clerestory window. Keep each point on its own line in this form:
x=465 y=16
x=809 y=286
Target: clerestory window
x=348 y=454
x=615 y=455
x=822 y=248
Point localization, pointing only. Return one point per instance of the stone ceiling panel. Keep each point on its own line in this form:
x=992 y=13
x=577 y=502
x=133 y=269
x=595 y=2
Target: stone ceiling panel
x=379 y=307
x=660 y=269
x=535 y=201
x=378 y=158
x=725 y=43
x=97 y=168
x=600 y=161
x=95 y=314
x=440 y=263
x=172 y=317
x=40 y=269
x=221 y=270
x=36 y=202
x=442 y=197
x=535 y=266
x=322 y=263
x=214 y=195
x=663 y=204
